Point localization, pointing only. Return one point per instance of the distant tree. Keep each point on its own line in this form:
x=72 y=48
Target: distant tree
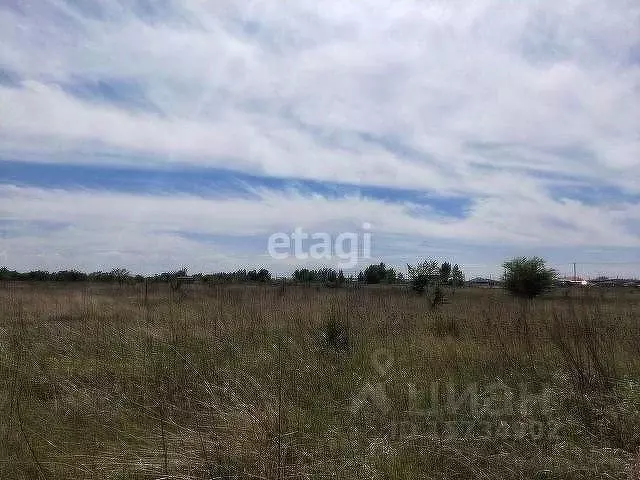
x=423 y=275
x=329 y=275
x=390 y=276
x=430 y=278
x=264 y=275
x=374 y=274
x=6 y=274
x=38 y=275
x=377 y=273
x=69 y=276
x=120 y=275
x=360 y=277
x=445 y=273
x=325 y=275
x=527 y=277
x=303 y=275
x=176 y=279
x=457 y=277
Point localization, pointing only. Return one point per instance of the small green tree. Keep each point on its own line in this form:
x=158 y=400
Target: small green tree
x=423 y=275
x=121 y=275
x=429 y=277
x=527 y=277
x=445 y=273
x=390 y=276
x=457 y=277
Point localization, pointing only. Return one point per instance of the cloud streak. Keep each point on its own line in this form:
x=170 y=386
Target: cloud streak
x=512 y=107
x=95 y=222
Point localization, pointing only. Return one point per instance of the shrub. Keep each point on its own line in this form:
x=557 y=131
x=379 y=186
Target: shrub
x=457 y=277
x=424 y=275
x=335 y=331
x=429 y=277
x=527 y=277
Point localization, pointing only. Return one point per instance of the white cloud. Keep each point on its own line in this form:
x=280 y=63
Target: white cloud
x=455 y=97
x=435 y=77
x=90 y=227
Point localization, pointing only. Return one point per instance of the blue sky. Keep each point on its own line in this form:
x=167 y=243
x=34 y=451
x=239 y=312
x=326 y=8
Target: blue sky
x=154 y=135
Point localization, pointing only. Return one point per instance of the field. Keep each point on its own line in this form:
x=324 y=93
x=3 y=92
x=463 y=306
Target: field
x=107 y=382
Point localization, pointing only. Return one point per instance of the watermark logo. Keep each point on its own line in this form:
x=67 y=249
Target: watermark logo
x=375 y=393
x=450 y=411
x=347 y=247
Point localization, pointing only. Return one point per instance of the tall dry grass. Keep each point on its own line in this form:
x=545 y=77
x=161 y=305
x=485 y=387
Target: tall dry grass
x=259 y=382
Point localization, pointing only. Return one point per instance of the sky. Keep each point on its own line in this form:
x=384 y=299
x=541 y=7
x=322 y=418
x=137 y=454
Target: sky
x=154 y=135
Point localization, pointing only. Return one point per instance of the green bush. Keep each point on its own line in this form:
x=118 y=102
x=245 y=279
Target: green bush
x=527 y=277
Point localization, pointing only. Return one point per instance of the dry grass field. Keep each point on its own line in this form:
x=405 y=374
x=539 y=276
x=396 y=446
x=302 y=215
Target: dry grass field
x=101 y=382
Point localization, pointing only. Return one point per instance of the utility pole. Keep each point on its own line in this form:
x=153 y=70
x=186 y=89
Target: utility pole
x=575 y=277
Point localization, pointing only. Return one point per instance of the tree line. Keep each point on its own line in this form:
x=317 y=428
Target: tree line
x=379 y=273
x=523 y=277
